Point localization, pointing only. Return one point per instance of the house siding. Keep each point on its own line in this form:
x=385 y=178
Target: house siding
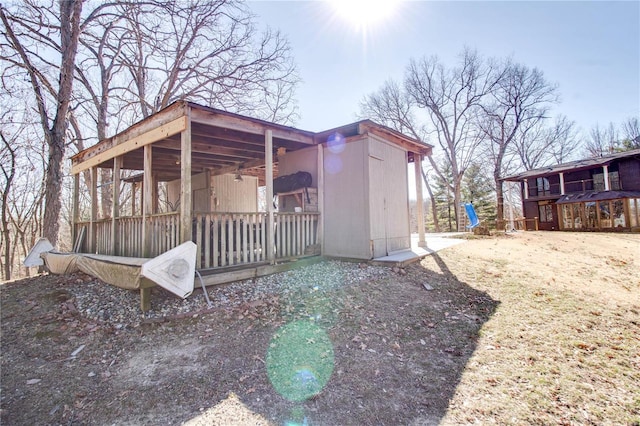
x=345 y=201
x=630 y=175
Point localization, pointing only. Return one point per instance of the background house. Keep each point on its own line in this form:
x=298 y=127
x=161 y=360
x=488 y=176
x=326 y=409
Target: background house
x=594 y=194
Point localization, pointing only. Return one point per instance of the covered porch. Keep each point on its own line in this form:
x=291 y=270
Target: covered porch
x=192 y=173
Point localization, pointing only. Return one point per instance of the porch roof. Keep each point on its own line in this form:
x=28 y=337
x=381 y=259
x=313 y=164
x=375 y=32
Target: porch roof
x=584 y=197
x=221 y=142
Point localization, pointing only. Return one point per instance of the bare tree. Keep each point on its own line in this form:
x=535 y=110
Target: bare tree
x=27 y=31
x=451 y=98
x=544 y=144
x=520 y=99
x=207 y=51
x=631 y=133
x=8 y=167
x=602 y=141
x=132 y=58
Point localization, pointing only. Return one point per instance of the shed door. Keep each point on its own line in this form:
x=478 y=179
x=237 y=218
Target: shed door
x=377 y=208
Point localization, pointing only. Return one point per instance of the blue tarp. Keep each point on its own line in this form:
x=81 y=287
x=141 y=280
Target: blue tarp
x=473 y=217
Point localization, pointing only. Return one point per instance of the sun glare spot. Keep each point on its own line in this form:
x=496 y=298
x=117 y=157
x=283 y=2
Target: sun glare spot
x=362 y=14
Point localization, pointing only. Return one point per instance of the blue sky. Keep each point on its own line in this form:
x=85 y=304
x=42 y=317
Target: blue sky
x=590 y=49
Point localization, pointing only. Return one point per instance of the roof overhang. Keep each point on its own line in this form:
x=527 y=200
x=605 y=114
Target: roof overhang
x=592 y=196
x=572 y=166
x=221 y=142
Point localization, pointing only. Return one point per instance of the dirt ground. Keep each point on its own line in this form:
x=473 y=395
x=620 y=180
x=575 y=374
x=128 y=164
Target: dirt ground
x=522 y=328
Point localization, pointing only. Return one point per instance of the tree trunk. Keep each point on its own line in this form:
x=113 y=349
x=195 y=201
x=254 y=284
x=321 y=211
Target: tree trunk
x=499 y=200
x=53 y=185
x=457 y=200
x=69 y=34
x=5 y=219
x=434 y=206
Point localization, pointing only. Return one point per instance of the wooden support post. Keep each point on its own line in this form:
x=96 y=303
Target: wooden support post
x=94 y=210
x=561 y=183
x=320 y=229
x=154 y=195
x=134 y=186
x=526 y=189
x=268 y=158
x=535 y=221
x=115 y=206
x=186 y=199
x=75 y=215
x=417 y=164
x=605 y=170
x=145 y=293
x=147 y=203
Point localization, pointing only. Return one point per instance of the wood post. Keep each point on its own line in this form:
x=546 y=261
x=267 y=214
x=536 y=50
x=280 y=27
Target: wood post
x=186 y=200
x=147 y=203
x=417 y=164
x=134 y=186
x=320 y=183
x=115 y=206
x=75 y=215
x=561 y=183
x=94 y=210
x=605 y=171
x=268 y=158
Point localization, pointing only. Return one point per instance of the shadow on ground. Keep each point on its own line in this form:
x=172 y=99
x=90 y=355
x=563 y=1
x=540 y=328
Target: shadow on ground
x=398 y=352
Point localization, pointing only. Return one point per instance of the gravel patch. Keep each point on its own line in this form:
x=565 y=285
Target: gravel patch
x=120 y=308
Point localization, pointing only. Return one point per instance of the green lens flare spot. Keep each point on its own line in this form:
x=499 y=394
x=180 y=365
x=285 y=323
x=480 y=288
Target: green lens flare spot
x=299 y=360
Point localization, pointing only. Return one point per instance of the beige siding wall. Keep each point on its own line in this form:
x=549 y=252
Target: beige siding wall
x=223 y=195
x=232 y=196
x=394 y=227
x=304 y=160
x=345 y=202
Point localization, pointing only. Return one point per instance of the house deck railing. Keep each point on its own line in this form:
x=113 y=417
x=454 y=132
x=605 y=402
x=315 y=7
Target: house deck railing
x=222 y=239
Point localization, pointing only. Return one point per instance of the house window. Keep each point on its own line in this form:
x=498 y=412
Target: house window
x=546 y=213
x=618 y=214
x=544 y=188
x=567 y=216
x=598 y=182
x=614 y=181
x=634 y=211
x=605 y=214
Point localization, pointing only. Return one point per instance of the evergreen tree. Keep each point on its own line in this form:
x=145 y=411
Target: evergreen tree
x=478 y=189
x=445 y=199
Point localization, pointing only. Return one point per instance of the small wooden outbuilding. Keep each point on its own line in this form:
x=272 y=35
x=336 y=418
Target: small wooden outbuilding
x=215 y=170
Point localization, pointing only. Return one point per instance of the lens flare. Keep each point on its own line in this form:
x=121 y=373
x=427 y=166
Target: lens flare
x=336 y=143
x=300 y=360
x=333 y=164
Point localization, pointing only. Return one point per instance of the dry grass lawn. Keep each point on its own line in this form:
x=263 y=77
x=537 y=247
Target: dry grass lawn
x=563 y=346
x=523 y=328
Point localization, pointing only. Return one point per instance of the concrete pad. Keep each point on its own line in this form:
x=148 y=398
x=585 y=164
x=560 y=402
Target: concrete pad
x=435 y=242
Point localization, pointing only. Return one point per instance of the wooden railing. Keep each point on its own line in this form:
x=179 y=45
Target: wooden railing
x=130 y=236
x=519 y=224
x=163 y=235
x=223 y=239
x=164 y=232
x=296 y=234
x=228 y=239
